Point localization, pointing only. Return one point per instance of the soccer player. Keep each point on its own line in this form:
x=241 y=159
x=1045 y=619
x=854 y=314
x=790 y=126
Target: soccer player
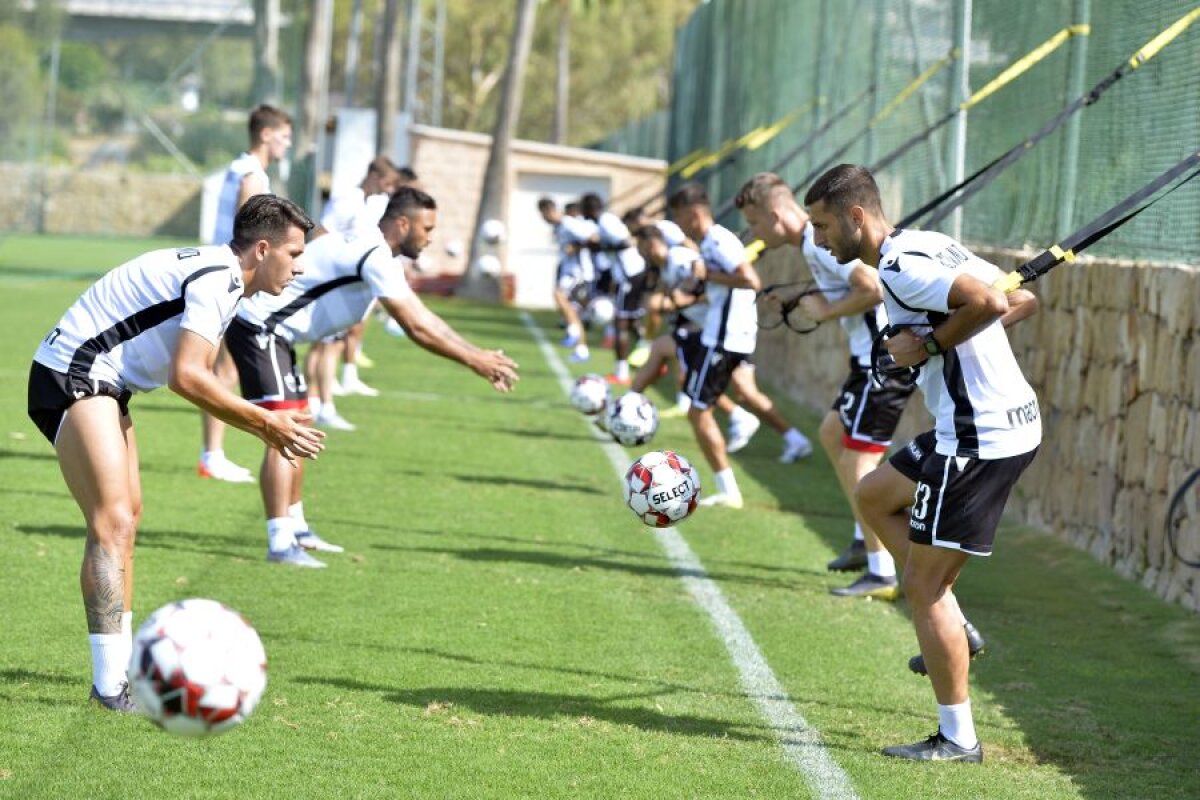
x=155 y=320
x=987 y=425
x=729 y=333
x=347 y=212
x=574 y=271
x=616 y=254
x=342 y=276
x=858 y=430
x=270 y=131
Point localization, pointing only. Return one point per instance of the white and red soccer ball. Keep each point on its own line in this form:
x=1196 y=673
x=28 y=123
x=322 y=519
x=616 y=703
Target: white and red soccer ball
x=198 y=668
x=632 y=419
x=590 y=394
x=661 y=488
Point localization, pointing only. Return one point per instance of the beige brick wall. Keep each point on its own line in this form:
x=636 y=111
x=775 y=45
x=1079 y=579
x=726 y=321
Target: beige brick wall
x=1114 y=355
x=105 y=202
x=452 y=163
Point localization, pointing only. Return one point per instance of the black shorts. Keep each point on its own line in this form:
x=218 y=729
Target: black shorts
x=630 y=295
x=870 y=413
x=687 y=342
x=708 y=372
x=51 y=393
x=959 y=500
x=266 y=366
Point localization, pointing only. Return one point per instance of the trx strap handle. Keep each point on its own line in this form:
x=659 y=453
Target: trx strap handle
x=751 y=140
x=970 y=186
x=1014 y=70
x=1101 y=226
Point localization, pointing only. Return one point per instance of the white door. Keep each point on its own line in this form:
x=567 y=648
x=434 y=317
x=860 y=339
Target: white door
x=532 y=253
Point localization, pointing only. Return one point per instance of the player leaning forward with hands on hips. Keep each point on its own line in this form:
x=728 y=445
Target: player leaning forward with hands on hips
x=155 y=320
x=987 y=427
x=343 y=275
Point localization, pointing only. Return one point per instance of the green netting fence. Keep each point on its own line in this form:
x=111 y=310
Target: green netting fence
x=743 y=64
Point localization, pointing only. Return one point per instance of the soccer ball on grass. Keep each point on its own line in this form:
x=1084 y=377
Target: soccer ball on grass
x=632 y=419
x=590 y=394
x=198 y=668
x=661 y=488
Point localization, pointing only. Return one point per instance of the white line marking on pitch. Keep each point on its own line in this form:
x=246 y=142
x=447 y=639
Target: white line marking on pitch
x=799 y=740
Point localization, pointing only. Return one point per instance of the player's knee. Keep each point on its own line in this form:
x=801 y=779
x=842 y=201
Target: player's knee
x=115 y=526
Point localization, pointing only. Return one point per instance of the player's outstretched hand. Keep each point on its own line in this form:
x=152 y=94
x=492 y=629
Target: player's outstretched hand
x=288 y=432
x=497 y=369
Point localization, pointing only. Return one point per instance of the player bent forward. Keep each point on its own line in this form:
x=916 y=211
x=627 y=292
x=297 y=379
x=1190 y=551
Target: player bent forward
x=987 y=429
x=342 y=276
x=154 y=320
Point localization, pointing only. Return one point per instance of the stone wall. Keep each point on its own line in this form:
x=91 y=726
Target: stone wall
x=1114 y=354
x=105 y=202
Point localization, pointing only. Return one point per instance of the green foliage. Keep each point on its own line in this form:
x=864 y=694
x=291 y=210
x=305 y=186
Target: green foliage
x=82 y=67
x=20 y=90
x=208 y=138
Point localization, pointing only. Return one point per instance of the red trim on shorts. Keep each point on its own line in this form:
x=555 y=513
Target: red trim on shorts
x=281 y=405
x=858 y=445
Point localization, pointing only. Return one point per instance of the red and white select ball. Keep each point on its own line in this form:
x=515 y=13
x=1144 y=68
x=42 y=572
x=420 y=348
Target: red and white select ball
x=198 y=668
x=661 y=488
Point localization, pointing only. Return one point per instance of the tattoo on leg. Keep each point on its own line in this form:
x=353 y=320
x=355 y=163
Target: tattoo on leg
x=103 y=582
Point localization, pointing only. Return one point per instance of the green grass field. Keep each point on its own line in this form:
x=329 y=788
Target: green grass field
x=501 y=626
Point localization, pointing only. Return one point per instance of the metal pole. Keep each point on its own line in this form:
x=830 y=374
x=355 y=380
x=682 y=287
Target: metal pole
x=876 y=75
x=352 y=45
x=412 y=61
x=325 y=9
x=962 y=90
x=1070 y=159
x=439 y=61
x=46 y=148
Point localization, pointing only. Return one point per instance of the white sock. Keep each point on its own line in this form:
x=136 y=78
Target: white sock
x=127 y=633
x=328 y=410
x=574 y=330
x=314 y=406
x=281 y=533
x=296 y=512
x=794 y=437
x=621 y=370
x=349 y=373
x=683 y=401
x=858 y=534
x=581 y=349
x=110 y=660
x=210 y=457
x=961 y=615
x=740 y=415
x=881 y=563
x=957 y=725
x=726 y=483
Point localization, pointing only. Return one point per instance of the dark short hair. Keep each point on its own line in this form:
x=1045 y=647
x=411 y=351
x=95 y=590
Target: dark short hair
x=546 y=203
x=382 y=165
x=407 y=199
x=264 y=117
x=688 y=195
x=267 y=216
x=591 y=205
x=758 y=190
x=650 y=233
x=570 y=209
x=407 y=174
x=631 y=217
x=845 y=186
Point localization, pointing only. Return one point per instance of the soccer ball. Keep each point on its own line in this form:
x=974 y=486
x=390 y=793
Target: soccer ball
x=590 y=394
x=197 y=668
x=661 y=488
x=600 y=311
x=632 y=419
x=492 y=231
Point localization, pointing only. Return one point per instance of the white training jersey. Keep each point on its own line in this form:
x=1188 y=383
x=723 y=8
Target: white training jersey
x=574 y=233
x=676 y=271
x=342 y=275
x=227 y=204
x=983 y=406
x=352 y=210
x=125 y=328
x=671 y=232
x=732 y=320
x=833 y=279
x=625 y=263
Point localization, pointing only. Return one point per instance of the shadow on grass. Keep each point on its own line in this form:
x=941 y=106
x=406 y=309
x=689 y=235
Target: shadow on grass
x=528 y=483
x=21 y=676
x=544 y=558
x=582 y=708
x=182 y=541
x=28 y=455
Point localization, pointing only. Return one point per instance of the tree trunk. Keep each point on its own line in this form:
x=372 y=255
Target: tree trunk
x=562 y=84
x=387 y=103
x=314 y=102
x=266 y=53
x=493 y=199
x=353 y=45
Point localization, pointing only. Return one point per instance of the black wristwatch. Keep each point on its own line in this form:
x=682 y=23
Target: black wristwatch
x=931 y=345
